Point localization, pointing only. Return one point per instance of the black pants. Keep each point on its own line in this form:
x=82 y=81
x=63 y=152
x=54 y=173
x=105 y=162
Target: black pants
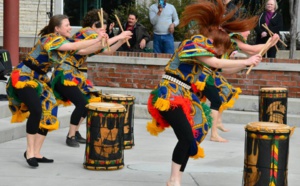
x=73 y=94
x=212 y=94
x=30 y=98
x=183 y=131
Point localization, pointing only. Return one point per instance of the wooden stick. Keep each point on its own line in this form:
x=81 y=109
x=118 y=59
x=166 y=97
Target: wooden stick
x=271 y=34
x=100 y=15
x=119 y=23
x=266 y=27
x=262 y=52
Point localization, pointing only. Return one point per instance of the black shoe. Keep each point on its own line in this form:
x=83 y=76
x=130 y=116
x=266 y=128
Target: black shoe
x=79 y=138
x=71 y=142
x=31 y=161
x=44 y=160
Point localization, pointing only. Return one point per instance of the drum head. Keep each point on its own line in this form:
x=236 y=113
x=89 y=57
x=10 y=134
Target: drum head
x=268 y=89
x=118 y=97
x=103 y=106
x=268 y=127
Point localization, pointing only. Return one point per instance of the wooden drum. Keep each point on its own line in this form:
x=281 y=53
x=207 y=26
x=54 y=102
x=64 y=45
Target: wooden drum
x=266 y=154
x=105 y=144
x=128 y=102
x=273 y=105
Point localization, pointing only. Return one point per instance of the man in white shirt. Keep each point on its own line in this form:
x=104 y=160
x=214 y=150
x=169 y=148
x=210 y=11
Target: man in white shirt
x=164 y=18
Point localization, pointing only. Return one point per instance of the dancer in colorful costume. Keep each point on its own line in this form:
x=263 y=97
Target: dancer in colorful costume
x=28 y=87
x=70 y=84
x=221 y=94
x=172 y=102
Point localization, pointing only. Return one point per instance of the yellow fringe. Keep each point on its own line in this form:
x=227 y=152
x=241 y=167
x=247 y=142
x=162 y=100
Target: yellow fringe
x=95 y=99
x=200 y=153
x=69 y=83
x=231 y=103
x=64 y=103
x=50 y=128
x=162 y=104
x=200 y=85
x=153 y=129
x=21 y=84
x=19 y=116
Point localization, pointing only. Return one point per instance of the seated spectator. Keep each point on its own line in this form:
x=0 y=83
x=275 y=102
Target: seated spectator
x=140 y=35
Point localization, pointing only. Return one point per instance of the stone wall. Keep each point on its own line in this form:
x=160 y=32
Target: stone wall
x=32 y=16
x=144 y=71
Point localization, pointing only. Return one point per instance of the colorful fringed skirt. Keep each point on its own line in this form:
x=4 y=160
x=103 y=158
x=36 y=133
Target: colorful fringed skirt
x=22 y=76
x=70 y=76
x=169 y=95
x=228 y=93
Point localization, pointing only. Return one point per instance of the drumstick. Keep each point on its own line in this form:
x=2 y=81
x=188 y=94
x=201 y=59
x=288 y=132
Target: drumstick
x=119 y=23
x=262 y=52
x=266 y=27
x=270 y=33
x=100 y=15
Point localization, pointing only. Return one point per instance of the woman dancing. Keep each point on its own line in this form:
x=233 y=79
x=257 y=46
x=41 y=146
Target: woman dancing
x=172 y=102
x=28 y=87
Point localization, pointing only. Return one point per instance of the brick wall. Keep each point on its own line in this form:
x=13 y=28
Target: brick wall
x=130 y=71
x=146 y=76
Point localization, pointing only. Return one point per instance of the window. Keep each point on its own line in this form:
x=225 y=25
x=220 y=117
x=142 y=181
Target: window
x=76 y=9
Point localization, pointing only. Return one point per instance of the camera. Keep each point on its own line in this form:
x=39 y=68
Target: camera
x=161 y=3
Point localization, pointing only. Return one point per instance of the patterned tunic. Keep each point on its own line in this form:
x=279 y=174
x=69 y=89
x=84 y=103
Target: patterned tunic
x=168 y=94
x=228 y=94
x=32 y=72
x=69 y=74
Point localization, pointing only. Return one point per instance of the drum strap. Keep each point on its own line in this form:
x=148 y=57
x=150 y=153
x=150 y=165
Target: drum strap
x=177 y=80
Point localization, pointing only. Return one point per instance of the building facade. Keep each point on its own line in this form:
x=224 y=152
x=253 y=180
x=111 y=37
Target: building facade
x=33 y=15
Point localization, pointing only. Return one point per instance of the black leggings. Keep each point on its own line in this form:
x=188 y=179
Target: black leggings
x=212 y=94
x=183 y=131
x=73 y=94
x=30 y=98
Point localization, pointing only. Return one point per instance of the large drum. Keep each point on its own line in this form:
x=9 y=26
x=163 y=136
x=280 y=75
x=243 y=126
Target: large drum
x=266 y=154
x=128 y=102
x=104 y=146
x=273 y=105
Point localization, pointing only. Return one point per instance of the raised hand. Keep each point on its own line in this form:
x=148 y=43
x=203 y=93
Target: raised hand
x=253 y=60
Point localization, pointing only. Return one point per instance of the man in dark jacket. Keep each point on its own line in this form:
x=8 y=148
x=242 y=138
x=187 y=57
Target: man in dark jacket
x=140 y=35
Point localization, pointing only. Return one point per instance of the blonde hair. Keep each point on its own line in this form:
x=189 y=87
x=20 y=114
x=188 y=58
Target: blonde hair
x=275 y=3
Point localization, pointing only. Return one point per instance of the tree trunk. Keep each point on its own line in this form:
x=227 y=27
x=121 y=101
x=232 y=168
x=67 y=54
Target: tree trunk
x=294 y=5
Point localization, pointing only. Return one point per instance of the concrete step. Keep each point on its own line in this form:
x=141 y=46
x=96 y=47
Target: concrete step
x=245 y=111
x=244 y=103
x=9 y=131
x=229 y=116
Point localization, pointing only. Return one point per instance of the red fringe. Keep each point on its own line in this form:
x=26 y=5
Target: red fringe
x=15 y=77
x=184 y=103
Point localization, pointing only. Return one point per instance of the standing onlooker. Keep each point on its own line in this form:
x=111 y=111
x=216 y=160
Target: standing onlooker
x=140 y=35
x=164 y=18
x=275 y=23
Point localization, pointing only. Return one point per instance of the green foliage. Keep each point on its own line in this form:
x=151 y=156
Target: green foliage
x=142 y=10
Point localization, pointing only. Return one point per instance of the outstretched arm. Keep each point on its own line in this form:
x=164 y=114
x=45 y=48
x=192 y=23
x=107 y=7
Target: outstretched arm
x=255 y=49
x=230 y=63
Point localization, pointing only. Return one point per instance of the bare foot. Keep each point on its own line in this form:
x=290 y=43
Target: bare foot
x=221 y=128
x=170 y=183
x=218 y=139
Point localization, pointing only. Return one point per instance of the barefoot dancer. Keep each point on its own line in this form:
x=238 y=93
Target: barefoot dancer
x=172 y=102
